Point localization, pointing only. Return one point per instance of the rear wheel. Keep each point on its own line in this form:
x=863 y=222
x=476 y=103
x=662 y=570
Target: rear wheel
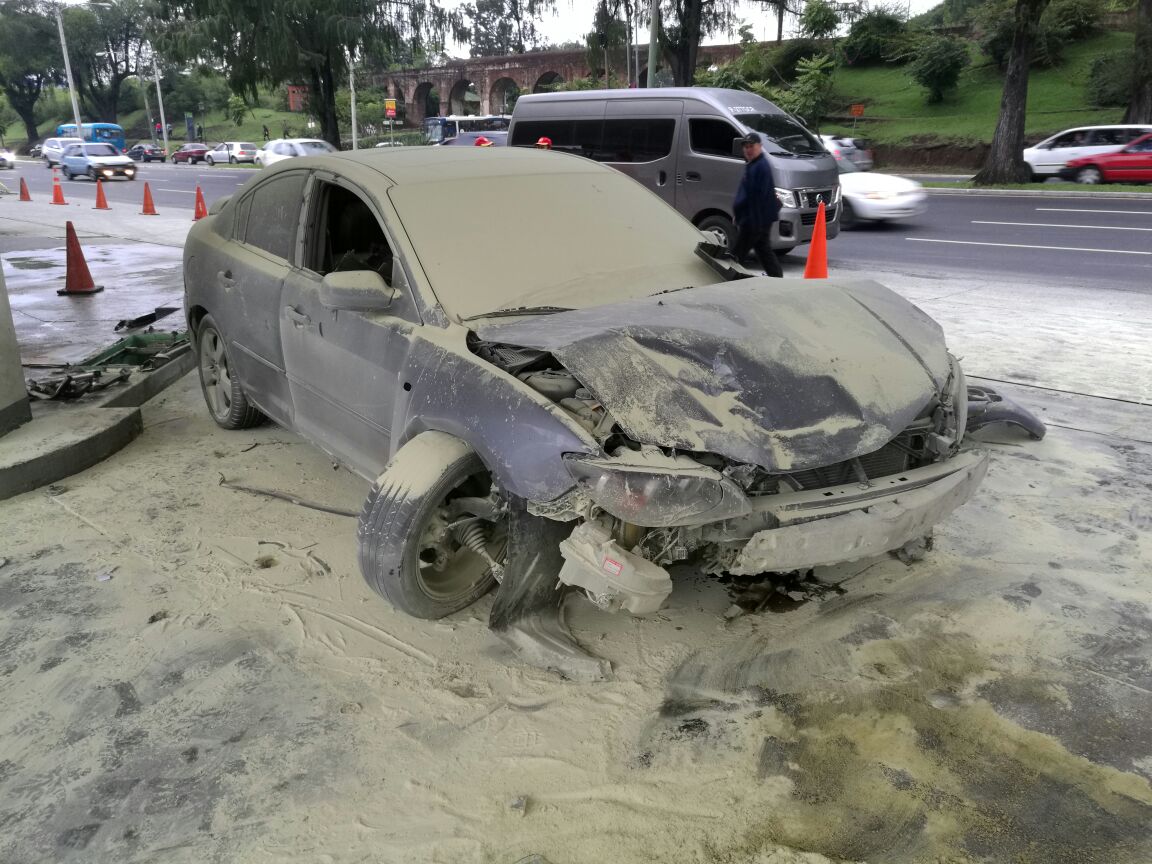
x=67 y=174
x=721 y=224
x=211 y=162
x=231 y=160
x=430 y=535
x=1089 y=174
x=225 y=397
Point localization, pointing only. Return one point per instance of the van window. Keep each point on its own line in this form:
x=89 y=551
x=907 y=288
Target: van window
x=712 y=137
x=1108 y=137
x=640 y=140
x=582 y=137
x=1069 y=139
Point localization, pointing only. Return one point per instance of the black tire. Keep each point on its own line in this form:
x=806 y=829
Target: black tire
x=1090 y=174
x=722 y=224
x=848 y=217
x=405 y=554
x=67 y=174
x=231 y=160
x=211 y=162
x=785 y=251
x=92 y=175
x=221 y=389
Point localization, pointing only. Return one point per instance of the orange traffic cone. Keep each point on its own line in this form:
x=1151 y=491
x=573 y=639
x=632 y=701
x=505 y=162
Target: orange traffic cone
x=817 y=266
x=101 y=201
x=24 y=196
x=57 y=191
x=149 y=207
x=77 y=280
x=201 y=211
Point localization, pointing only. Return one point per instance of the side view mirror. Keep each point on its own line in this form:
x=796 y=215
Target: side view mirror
x=738 y=147
x=356 y=289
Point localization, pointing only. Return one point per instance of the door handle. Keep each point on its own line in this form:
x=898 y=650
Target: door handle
x=693 y=175
x=224 y=277
x=661 y=178
x=298 y=319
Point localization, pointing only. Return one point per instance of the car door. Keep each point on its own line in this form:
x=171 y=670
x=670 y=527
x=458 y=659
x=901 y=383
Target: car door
x=709 y=172
x=1069 y=146
x=249 y=274
x=639 y=139
x=73 y=159
x=344 y=365
x=1133 y=163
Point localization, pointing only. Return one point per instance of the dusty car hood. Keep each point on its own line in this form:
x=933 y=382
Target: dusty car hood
x=787 y=374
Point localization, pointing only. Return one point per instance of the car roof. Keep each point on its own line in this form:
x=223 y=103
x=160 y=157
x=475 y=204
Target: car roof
x=414 y=166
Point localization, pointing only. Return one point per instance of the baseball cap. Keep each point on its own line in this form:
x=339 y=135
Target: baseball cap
x=752 y=138
x=483 y=142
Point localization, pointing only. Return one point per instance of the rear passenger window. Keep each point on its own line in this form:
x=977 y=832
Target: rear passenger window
x=712 y=137
x=582 y=137
x=1108 y=137
x=272 y=212
x=639 y=140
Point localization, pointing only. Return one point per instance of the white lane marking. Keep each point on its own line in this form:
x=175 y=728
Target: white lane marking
x=181 y=191
x=1050 y=225
x=1026 y=246
x=1081 y=210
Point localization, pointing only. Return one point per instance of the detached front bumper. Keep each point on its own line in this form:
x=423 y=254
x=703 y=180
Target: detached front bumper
x=846 y=523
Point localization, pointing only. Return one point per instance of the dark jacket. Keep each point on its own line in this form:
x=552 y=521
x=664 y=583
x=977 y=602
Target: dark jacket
x=756 y=204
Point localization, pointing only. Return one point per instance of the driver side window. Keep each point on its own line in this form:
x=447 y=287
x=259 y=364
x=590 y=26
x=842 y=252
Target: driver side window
x=346 y=235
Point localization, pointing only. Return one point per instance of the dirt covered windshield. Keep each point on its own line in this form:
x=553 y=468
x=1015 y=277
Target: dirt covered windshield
x=570 y=240
x=786 y=133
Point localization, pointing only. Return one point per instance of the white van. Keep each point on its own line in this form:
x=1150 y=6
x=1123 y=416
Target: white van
x=1050 y=155
x=683 y=143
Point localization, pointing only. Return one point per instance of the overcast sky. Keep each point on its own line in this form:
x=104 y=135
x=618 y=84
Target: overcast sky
x=573 y=19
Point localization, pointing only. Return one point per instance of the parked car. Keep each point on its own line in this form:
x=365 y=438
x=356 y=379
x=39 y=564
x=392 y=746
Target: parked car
x=290 y=148
x=614 y=397
x=873 y=197
x=855 y=150
x=1048 y=157
x=190 y=153
x=1132 y=164
x=53 y=148
x=97 y=162
x=146 y=151
x=232 y=152
x=7 y=158
x=468 y=139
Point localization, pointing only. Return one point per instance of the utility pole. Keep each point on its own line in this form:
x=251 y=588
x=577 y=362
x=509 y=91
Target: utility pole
x=352 y=92
x=68 y=72
x=653 y=35
x=160 y=99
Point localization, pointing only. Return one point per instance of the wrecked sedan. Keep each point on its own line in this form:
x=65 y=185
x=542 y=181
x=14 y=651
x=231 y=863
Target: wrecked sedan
x=574 y=389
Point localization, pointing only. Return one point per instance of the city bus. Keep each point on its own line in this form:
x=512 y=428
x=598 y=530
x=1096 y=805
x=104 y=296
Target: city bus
x=437 y=130
x=105 y=133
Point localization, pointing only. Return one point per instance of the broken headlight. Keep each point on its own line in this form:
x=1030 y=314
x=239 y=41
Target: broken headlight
x=959 y=397
x=658 y=491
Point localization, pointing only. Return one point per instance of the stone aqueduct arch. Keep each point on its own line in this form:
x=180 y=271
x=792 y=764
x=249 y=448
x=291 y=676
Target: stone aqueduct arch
x=492 y=79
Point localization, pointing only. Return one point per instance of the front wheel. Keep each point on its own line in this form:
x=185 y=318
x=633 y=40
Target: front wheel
x=211 y=162
x=225 y=397
x=431 y=536
x=722 y=225
x=67 y=174
x=848 y=217
x=1089 y=174
x=92 y=175
x=231 y=160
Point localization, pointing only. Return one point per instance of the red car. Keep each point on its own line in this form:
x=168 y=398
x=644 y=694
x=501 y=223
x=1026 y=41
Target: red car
x=1133 y=164
x=191 y=153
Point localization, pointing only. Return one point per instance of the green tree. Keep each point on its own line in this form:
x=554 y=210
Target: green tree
x=237 y=109
x=106 y=45
x=1140 y=103
x=937 y=64
x=608 y=31
x=306 y=41
x=1005 y=163
x=875 y=37
x=494 y=28
x=683 y=23
x=809 y=95
x=29 y=58
x=819 y=19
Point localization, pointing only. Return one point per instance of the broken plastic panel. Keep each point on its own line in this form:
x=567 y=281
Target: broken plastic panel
x=612 y=577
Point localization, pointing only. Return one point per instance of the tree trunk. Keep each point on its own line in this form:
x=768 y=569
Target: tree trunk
x=780 y=23
x=29 y=127
x=23 y=100
x=1005 y=163
x=1140 y=104
x=324 y=84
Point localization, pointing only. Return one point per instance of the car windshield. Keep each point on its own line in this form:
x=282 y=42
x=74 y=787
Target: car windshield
x=789 y=135
x=573 y=240
x=316 y=147
x=100 y=150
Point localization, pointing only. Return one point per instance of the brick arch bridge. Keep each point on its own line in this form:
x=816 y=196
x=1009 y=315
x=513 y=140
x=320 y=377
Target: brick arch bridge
x=482 y=85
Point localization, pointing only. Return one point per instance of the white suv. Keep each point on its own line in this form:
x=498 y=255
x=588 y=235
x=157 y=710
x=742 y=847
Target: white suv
x=54 y=148
x=1049 y=156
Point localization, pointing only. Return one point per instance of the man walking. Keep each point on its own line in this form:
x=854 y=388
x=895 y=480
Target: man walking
x=756 y=207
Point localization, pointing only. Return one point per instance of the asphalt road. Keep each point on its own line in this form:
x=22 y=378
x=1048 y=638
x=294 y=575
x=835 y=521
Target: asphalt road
x=1071 y=240
x=1084 y=241
x=172 y=186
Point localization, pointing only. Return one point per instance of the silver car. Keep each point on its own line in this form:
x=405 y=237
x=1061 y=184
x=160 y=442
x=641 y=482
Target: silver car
x=576 y=394
x=53 y=149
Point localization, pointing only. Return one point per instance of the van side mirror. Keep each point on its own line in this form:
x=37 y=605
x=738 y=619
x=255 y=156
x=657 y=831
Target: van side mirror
x=356 y=289
x=738 y=147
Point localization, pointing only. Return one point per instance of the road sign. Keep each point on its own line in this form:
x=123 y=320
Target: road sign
x=389 y=108
x=857 y=110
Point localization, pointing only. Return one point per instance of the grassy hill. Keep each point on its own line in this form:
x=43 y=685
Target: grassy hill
x=897 y=111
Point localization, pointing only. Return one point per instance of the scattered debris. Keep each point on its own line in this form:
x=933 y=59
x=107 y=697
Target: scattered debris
x=284 y=496
x=73 y=385
x=773 y=592
x=519 y=806
x=104 y=577
x=157 y=616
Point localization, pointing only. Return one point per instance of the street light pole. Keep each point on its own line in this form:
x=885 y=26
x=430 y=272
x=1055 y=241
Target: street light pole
x=352 y=93
x=160 y=100
x=653 y=35
x=68 y=72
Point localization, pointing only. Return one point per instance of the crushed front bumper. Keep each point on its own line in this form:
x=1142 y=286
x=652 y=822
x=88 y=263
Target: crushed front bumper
x=845 y=523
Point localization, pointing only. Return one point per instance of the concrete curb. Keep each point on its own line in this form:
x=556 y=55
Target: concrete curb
x=66 y=440
x=1037 y=193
